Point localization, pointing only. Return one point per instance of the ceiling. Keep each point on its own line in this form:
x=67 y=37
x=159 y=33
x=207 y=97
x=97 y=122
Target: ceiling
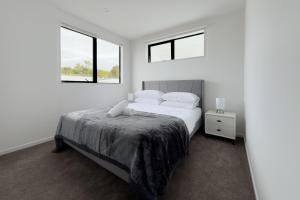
x=135 y=18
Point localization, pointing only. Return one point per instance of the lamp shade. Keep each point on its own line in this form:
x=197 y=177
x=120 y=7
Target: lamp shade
x=130 y=97
x=220 y=104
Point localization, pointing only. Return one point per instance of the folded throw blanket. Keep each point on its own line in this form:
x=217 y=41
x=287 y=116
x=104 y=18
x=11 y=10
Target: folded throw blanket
x=117 y=109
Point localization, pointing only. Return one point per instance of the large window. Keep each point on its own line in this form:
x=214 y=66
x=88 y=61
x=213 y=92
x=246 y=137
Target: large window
x=88 y=59
x=189 y=46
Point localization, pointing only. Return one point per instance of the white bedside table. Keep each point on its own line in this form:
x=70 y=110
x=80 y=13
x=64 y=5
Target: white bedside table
x=223 y=125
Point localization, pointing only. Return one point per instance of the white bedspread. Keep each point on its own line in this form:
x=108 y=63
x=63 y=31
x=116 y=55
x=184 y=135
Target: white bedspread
x=189 y=116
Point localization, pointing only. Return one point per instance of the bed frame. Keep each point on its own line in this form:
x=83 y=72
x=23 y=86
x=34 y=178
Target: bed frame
x=192 y=86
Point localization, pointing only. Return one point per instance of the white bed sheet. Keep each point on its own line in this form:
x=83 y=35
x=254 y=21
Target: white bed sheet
x=189 y=116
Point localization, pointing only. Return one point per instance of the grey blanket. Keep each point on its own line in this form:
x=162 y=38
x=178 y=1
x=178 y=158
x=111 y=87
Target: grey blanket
x=148 y=146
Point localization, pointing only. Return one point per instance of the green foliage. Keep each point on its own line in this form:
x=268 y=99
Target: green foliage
x=87 y=63
x=81 y=70
x=66 y=70
x=114 y=72
x=86 y=70
x=102 y=73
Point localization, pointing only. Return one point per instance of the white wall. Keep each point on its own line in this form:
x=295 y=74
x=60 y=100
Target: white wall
x=221 y=68
x=272 y=97
x=32 y=96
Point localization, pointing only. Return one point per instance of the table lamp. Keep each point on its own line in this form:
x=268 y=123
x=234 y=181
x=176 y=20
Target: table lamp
x=220 y=105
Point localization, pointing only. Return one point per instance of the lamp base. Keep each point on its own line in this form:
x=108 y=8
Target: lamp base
x=220 y=111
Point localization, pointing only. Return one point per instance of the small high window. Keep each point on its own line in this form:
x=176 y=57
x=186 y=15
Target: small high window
x=188 y=46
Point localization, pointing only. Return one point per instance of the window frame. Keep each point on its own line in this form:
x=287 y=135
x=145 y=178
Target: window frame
x=95 y=67
x=172 y=42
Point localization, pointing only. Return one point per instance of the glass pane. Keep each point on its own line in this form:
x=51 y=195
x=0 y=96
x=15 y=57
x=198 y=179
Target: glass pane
x=108 y=69
x=189 y=47
x=76 y=56
x=161 y=52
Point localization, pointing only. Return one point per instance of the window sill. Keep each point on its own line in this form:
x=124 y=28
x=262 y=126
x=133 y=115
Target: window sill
x=178 y=59
x=89 y=82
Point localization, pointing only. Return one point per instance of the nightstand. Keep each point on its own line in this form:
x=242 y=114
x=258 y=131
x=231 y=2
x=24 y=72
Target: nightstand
x=223 y=125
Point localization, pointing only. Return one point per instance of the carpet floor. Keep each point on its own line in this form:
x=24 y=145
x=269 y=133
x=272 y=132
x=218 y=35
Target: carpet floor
x=215 y=170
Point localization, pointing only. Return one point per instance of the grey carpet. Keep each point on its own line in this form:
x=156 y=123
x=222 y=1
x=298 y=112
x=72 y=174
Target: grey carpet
x=214 y=170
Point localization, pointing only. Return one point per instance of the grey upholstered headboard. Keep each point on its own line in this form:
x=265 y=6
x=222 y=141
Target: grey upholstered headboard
x=192 y=86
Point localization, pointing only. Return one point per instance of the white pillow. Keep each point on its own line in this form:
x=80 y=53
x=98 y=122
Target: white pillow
x=184 y=97
x=149 y=94
x=178 y=104
x=148 y=101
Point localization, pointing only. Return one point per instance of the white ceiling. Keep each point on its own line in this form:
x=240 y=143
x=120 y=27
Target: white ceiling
x=135 y=18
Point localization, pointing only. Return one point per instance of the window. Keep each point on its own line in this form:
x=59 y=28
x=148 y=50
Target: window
x=161 y=52
x=76 y=56
x=108 y=58
x=189 y=47
x=88 y=59
x=181 y=47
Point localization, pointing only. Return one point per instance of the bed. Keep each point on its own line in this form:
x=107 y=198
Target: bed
x=144 y=160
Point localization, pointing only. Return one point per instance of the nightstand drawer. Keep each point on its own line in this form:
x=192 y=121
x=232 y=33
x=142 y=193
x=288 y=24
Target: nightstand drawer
x=220 y=130
x=220 y=121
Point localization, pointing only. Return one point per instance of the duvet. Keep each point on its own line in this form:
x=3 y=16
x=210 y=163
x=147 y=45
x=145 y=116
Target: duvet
x=147 y=146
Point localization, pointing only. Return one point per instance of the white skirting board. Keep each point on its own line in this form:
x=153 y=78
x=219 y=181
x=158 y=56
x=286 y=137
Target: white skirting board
x=24 y=146
x=251 y=173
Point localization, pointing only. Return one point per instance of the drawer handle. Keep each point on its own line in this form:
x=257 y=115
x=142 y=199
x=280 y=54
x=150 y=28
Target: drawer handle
x=219 y=120
x=219 y=130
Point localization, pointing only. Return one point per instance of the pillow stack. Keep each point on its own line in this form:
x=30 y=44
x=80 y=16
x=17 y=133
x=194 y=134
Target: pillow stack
x=148 y=97
x=180 y=100
x=171 y=99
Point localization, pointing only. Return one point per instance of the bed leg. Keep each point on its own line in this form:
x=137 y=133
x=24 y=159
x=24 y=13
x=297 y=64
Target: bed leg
x=59 y=145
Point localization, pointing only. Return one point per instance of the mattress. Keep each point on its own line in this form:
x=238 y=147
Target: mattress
x=191 y=117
